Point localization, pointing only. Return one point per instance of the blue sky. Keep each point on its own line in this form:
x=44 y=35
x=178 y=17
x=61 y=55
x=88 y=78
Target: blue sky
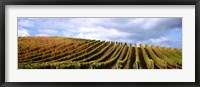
x=158 y=31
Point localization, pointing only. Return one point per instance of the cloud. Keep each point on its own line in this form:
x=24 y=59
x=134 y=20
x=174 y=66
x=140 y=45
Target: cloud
x=148 y=23
x=156 y=41
x=42 y=35
x=162 y=41
x=25 y=23
x=101 y=33
x=23 y=32
x=159 y=40
x=158 y=31
x=48 y=31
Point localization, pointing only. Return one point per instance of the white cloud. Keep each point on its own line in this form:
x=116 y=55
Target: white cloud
x=31 y=18
x=156 y=31
x=88 y=21
x=101 y=33
x=159 y=40
x=49 y=31
x=42 y=35
x=66 y=33
x=26 y=23
x=146 y=23
x=23 y=32
x=138 y=21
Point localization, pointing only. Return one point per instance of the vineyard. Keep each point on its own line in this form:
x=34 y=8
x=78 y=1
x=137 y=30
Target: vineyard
x=52 y=52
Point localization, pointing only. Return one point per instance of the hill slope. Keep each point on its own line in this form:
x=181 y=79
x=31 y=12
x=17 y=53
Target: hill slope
x=74 y=53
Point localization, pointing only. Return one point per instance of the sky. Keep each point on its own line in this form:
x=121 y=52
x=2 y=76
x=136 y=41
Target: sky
x=157 y=31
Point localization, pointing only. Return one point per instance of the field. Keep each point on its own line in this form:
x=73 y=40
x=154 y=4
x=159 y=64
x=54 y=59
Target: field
x=52 y=52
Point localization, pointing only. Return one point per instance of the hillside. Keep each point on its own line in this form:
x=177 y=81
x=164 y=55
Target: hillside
x=74 y=53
